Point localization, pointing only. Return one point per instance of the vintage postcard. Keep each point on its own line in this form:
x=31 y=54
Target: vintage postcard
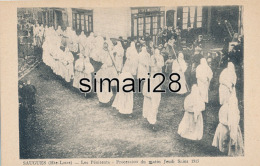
x=129 y=82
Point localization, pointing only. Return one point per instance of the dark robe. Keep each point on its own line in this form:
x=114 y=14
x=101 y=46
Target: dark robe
x=169 y=50
x=195 y=60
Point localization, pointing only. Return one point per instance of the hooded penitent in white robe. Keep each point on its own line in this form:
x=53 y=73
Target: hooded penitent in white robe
x=78 y=71
x=87 y=45
x=49 y=46
x=97 y=51
x=59 y=31
x=56 y=55
x=236 y=145
x=191 y=126
x=46 y=51
x=144 y=61
x=90 y=43
x=69 y=66
x=227 y=81
x=118 y=53
x=46 y=31
x=51 y=33
x=61 y=63
x=222 y=136
x=88 y=70
x=157 y=62
x=107 y=70
x=53 y=59
x=204 y=75
x=132 y=58
x=108 y=66
x=228 y=136
x=179 y=66
x=124 y=100
x=82 y=40
x=72 y=39
x=106 y=95
x=152 y=99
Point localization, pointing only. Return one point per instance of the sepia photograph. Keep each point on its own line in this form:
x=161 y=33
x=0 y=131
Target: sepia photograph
x=192 y=55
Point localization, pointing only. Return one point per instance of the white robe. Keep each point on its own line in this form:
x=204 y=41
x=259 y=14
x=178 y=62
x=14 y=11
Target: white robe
x=61 y=63
x=119 y=55
x=228 y=132
x=180 y=68
x=106 y=95
x=143 y=65
x=191 y=126
x=82 y=41
x=88 y=70
x=151 y=101
x=46 y=52
x=204 y=75
x=97 y=49
x=89 y=46
x=221 y=137
x=59 y=31
x=56 y=61
x=108 y=66
x=72 y=41
x=132 y=59
x=78 y=75
x=226 y=80
x=157 y=62
x=69 y=66
x=107 y=70
x=236 y=139
x=124 y=100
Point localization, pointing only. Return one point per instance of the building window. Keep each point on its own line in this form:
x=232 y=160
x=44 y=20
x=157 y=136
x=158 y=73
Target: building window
x=147 y=21
x=82 y=21
x=199 y=17
x=192 y=17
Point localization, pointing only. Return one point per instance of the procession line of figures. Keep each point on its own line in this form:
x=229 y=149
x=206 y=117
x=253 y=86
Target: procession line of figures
x=76 y=57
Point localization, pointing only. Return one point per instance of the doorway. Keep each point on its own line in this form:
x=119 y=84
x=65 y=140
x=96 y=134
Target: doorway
x=170 y=18
x=58 y=19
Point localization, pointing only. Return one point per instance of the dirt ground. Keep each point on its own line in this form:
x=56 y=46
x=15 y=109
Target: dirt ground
x=65 y=124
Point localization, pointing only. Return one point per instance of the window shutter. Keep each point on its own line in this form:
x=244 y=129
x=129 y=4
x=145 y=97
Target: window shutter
x=51 y=15
x=64 y=19
x=179 y=17
x=195 y=19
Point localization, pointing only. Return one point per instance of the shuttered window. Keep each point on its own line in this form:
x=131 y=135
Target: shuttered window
x=82 y=21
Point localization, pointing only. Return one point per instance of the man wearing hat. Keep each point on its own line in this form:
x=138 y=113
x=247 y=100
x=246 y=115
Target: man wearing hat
x=199 y=42
x=195 y=61
x=29 y=95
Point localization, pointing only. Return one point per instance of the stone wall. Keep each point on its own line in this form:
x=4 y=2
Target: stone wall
x=26 y=18
x=113 y=22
